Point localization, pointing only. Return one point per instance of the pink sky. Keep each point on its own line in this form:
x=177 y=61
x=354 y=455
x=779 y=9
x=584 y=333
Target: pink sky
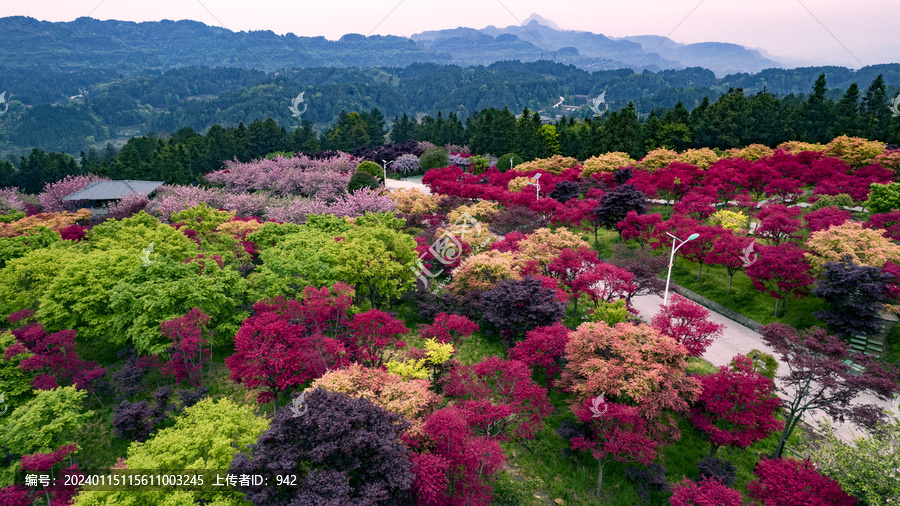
x=869 y=28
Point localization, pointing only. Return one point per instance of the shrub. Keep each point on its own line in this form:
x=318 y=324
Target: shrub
x=555 y=165
x=791 y=482
x=565 y=191
x=359 y=459
x=518 y=184
x=729 y=220
x=708 y=492
x=362 y=180
x=840 y=200
x=856 y=151
x=794 y=147
x=883 y=197
x=370 y=168
x=434 y=158
x=721 y=470
x=752 y=152
x=517 y=219
x=649 y=479
x=657 y=159
x=503 y=164
x=605 y=163
x=703 y=157
x=406 y=164
x=480 y=272
x=514 y=307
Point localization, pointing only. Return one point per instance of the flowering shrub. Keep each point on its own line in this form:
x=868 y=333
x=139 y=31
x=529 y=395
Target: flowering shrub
x=356 y=204
x=172 y=199
x=703 y=157
x=51 y=197
x=542 y=348
x=406 y=164
x=458 y=160
x=555 y=165
x=856 y=151
x=128 y=206
x=326 y=179
x=657 y=159
x=607 y=162
x=11 y=201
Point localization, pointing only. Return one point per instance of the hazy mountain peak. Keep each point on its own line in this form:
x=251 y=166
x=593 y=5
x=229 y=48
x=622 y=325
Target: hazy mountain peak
x=541 y=21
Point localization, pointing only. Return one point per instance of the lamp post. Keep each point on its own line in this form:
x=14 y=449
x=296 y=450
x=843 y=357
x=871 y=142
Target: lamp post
x=385 y=163
x=537 y=184
x=672 y=260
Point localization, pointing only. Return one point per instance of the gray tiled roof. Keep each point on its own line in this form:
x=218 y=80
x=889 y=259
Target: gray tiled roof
x=112 y=190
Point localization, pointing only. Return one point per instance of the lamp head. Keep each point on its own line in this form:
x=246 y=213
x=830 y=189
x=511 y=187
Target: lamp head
x=692 y=237
x=536 y=176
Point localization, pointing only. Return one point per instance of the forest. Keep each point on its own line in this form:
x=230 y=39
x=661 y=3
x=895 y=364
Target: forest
x=75 y=110
x=473 y=339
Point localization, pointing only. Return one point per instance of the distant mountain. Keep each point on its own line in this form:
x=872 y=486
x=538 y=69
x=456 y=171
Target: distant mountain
x=645 y=51
x=128 y=47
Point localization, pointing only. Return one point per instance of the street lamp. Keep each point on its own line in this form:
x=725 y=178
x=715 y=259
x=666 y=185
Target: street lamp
x=537 y=184
x=672 y=260
x=385 y=163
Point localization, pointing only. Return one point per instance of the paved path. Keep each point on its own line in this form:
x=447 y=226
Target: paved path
x=736 y=340
x=409 y=182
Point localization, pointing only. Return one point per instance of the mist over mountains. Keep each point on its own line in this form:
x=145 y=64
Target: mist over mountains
x=129 y=47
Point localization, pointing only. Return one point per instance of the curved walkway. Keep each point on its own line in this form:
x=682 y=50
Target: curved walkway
x=736 y=339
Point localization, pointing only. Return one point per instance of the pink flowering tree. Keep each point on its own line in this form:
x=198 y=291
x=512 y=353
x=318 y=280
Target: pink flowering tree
x=52 y=197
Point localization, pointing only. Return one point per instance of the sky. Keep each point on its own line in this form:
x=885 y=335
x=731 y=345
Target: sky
x=862 y=32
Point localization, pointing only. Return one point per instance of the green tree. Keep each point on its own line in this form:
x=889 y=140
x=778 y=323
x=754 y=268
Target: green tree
x=846 y=114
x=79 y=297
x=866 y=467
x=206 y=436
x=24 y=280
x=377 y=261
x=298 y=259
x=166 y=289
x=403 y=129
x=16 y=382
x=41 y=425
